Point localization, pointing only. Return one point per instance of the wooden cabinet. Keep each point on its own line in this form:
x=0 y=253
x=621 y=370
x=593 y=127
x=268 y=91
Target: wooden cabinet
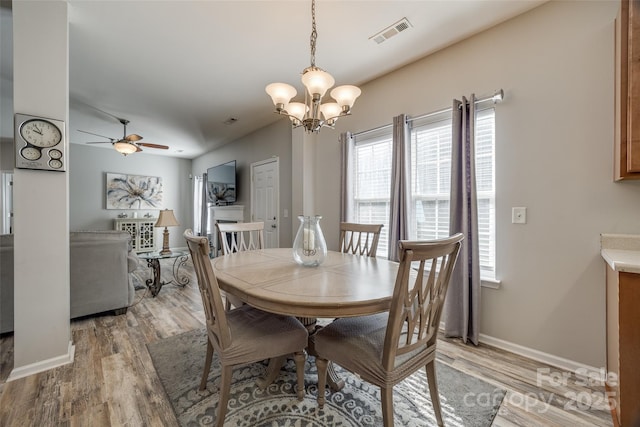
x=623 y=345
x=142 y=232
x=627 y=107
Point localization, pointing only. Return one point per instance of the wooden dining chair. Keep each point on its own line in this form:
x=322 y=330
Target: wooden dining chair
x=359 y=239
x=243 y=335
x=240 y=236
x=237 y=237
x=385 y=348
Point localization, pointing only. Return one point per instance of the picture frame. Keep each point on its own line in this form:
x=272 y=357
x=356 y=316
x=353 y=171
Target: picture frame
x=133 y=191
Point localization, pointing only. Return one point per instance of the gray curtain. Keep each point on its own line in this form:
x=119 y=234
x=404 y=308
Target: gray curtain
x=398 y=215
x=346 y=145
x=462 y=305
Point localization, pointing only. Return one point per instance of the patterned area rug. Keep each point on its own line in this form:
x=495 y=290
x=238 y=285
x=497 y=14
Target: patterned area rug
x=179 y=361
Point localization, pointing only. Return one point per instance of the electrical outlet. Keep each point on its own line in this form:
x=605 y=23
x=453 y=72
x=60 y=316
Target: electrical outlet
x=518 y=215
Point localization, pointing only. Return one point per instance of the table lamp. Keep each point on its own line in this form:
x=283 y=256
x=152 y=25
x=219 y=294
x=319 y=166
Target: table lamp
x=166 y=219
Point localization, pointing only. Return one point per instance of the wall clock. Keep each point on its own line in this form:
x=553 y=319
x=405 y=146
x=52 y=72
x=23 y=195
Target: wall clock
x=39 y=143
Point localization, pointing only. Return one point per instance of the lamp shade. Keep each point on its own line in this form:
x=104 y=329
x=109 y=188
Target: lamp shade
x=346 y=95
x=167 y=219
x=297 y=110
x=125 y=147
x=317 y=82
x=281 y=93
x=330 y=110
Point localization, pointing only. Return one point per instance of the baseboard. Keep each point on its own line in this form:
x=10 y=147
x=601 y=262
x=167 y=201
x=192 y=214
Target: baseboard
x=549 y=359
x=43 y=365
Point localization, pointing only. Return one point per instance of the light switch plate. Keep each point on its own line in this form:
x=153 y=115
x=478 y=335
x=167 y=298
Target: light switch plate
x=519 y=215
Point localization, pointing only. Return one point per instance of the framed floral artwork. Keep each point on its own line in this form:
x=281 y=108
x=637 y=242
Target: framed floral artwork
x=133 y=191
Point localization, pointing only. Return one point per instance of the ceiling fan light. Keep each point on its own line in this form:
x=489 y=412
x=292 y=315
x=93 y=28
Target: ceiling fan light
x=125 y=147
x=330 y=111
x=280 y=93
x=317 y=82
x=346 y=95
x=296 y=110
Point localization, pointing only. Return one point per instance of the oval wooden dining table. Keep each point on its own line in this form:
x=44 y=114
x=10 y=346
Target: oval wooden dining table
x=344 y=285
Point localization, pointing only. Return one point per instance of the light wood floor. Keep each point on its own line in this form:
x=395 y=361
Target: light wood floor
x=112 y=381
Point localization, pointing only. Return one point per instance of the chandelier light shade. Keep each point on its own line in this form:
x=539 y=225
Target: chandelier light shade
x=313 y=114
x=166 y=219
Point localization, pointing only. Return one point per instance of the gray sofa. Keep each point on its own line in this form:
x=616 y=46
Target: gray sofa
x=100 y=262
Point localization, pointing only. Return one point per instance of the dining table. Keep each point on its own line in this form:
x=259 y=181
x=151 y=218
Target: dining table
x=344 y=285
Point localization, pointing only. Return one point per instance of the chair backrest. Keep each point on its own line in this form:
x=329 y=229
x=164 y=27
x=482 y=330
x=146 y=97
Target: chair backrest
x=240 y=236
x=215 y=314
x=359 y=239
x=418 y=297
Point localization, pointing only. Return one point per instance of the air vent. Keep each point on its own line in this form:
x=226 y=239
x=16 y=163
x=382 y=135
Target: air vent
x=391 y=31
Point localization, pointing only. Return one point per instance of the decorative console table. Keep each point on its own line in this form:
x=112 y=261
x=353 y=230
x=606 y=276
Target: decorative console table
x=142 y=232
x=231 y=213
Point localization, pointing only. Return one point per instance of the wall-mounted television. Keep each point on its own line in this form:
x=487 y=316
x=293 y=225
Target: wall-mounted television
x=221 y=183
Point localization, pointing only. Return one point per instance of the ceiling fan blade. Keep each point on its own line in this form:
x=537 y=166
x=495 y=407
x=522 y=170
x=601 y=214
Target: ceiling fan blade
x=91 y=133
x=99 y=142
x=133 y=137
x=146 y=144
x=138 y=149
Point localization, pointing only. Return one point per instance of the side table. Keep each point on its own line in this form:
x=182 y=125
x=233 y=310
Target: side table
x=153 y=261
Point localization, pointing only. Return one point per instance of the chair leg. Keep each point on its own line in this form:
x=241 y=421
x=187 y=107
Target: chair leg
x=225 y=389
x=433 y=390
x=386 y=395
x=321 y=364
x=300 y=358
x=207 y=366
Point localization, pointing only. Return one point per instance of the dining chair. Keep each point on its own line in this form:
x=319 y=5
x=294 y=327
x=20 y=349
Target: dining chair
x=385 y=348
x=240 y=236
x=237 y=237
x=359 y=239
x=243 y=335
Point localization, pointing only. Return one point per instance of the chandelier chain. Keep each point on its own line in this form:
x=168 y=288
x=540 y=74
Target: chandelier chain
x=314 y=34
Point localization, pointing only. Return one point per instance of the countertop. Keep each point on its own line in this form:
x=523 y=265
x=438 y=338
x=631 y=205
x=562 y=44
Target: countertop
x=621 y=252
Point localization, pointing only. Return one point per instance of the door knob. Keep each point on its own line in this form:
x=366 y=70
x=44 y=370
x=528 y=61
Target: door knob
x=273 y=226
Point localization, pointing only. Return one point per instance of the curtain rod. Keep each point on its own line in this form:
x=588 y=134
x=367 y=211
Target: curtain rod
x=498 y=96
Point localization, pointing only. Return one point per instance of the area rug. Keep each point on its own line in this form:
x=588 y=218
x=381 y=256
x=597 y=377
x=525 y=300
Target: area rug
x=179 y=361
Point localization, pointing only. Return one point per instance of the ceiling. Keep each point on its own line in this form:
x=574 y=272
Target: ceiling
x=179 y=69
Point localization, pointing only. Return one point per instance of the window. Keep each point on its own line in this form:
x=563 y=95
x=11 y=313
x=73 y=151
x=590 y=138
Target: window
x=430 y=182
x=372 y=183
x=431 y=179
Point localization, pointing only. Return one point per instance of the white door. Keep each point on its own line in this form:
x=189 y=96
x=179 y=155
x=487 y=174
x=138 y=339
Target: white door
x=265 y=198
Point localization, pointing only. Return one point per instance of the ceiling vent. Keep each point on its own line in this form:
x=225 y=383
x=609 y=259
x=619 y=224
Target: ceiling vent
x=391 y=31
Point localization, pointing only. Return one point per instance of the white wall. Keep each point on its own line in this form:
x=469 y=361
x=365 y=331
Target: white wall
x=554 y=155
x=87 y=183
x=272 y=140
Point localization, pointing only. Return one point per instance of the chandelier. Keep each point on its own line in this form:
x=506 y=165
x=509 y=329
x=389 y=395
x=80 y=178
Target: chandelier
x=313 y=115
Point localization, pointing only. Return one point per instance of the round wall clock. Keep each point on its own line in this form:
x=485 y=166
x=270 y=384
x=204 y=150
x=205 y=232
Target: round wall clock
x=39 y=143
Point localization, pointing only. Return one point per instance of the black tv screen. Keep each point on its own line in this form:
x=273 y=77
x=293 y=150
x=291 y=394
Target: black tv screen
x=221 y=183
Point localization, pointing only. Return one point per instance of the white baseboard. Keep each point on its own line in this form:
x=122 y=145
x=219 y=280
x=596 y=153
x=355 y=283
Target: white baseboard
x=549 y=359
x=43 y=365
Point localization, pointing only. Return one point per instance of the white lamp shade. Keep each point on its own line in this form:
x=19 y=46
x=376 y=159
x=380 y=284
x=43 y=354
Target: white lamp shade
x=330 y=110
x=281 y=93
x=346 y=95
x=317 y=82
x=297 y=110
x=167 y=219
x=125 y=147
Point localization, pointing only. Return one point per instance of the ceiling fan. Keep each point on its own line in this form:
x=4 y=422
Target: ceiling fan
x=128 y=143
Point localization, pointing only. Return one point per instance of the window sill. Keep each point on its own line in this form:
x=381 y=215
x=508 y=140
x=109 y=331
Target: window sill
x=490 y=283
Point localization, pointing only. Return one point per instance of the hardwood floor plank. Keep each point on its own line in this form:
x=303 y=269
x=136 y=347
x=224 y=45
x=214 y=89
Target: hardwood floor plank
x=113 y=382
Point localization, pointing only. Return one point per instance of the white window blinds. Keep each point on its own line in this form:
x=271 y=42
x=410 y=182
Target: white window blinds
x=372 y=183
